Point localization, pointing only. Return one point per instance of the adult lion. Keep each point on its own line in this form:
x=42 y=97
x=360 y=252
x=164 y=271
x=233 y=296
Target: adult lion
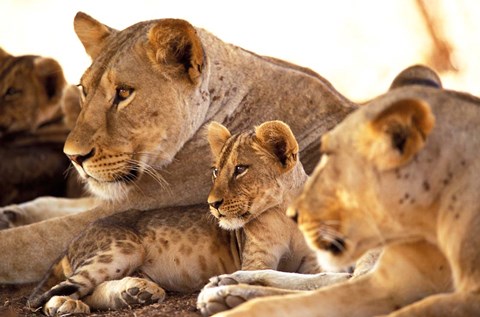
x=138 y=141
x=402 y=173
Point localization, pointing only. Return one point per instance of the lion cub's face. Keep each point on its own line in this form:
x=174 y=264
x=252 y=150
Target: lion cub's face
x=250 y=171
x=348 y=205
x=142 y=100
x=30 y=92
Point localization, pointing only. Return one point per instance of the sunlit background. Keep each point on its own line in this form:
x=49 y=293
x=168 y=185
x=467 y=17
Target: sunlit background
x=358 y=45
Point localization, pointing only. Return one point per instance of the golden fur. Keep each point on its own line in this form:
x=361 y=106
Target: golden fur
x=137 y=143
x=167 y=248
x=401 y=173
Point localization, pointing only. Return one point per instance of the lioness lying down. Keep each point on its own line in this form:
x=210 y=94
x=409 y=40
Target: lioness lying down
x=137 y=142
x=256 y=176
x=401 y=172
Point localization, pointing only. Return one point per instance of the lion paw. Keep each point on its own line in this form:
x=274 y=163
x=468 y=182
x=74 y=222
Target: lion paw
x=62 y=305
x=254 y=277
x=213 y=300
x=138 y=291
x=10 y=217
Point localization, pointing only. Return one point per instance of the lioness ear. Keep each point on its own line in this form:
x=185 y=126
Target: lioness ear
x=50 y=75
x=91 y=33
x=176 y=42
x=278 y=139
x=217 y=135
x=396 y=134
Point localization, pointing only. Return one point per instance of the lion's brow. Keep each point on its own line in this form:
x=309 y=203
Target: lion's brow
x=227 y=150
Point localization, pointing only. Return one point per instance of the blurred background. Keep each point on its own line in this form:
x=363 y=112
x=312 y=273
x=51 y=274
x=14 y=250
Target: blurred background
x=357 y=45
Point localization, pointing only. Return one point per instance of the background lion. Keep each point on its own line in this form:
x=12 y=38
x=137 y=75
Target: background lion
x=37 y=110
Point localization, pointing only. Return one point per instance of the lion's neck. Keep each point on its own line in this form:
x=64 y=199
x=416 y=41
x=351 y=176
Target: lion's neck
x=238 y=78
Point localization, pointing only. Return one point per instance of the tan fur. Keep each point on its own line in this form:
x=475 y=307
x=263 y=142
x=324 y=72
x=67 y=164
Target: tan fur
x=422 y=209
x=169 y=247
x=33 y=128
x=146 y=150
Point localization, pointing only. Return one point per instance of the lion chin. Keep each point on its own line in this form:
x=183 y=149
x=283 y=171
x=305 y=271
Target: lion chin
x=231 y=223
x=109 y=191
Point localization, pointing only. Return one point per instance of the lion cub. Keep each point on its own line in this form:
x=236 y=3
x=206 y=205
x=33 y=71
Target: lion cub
x=130 y=257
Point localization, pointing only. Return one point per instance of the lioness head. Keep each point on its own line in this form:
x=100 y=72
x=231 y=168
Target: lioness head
x=143 y=98
x=30 y=92
x=252 y=172
x=354 y=200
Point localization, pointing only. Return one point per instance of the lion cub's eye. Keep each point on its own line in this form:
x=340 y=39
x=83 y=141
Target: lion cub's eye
x=240 y=170
x=11 y=91
x=214 y=172
x=122 y=94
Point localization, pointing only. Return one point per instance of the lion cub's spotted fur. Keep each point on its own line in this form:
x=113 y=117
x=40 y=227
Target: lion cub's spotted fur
x=128 y=258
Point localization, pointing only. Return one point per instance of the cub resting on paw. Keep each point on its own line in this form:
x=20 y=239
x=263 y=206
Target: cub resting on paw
x=137 y=142
x=36 y=110
x=256 y=175
x=401 y=172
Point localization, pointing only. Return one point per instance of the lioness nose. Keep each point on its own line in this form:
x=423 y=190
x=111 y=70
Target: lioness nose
x=216 y=204
x=79 y=158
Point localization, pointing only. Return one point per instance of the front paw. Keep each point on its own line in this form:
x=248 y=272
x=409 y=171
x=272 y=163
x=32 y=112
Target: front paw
x=258 y=277
x=10 y=217
x=213 y=300
x=64 y=305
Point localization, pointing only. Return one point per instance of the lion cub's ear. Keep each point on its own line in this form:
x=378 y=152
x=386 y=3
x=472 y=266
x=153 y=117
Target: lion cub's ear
x=397 y=133
x=50 y=74
x=217 y=135
x=277 y=138
x=176 y=42
x=91 y=33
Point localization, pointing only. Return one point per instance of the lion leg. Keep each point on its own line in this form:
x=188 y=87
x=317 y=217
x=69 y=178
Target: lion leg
x=217 y=299
x=443 y=305
x=277 y=279
x=42 y=208
x=124 y=293
x=404 y=274
x=27 y=251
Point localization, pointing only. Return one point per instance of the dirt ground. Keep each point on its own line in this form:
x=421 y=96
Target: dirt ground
x=14 y=297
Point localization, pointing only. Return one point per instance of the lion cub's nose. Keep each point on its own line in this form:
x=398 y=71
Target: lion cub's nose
x=79 y=159
x=216 y=204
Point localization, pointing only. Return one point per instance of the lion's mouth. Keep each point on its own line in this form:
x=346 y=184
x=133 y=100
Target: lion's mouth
x=128 y=177
x=218 y=214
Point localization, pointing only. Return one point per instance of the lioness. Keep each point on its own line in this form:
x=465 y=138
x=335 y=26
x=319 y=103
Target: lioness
x=37 y=108
x=149 y=91
x=400 y=172
x=256 y=175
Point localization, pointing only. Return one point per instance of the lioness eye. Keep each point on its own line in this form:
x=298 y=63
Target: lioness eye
x=214 y=172
x=239 y=170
